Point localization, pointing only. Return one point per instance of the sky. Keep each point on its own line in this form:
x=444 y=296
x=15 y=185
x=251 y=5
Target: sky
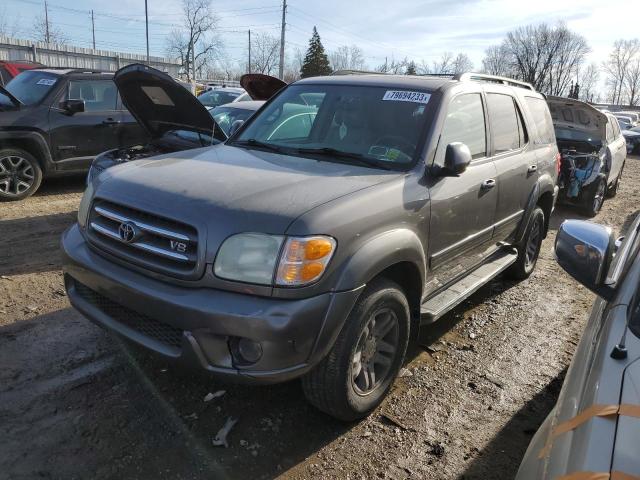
x=418 y=29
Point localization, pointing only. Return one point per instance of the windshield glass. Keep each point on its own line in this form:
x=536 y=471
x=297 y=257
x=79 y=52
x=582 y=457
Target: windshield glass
x=225 y=116
x=213 y=98
x=577 y=135
x=373 y=125
x=31 y=86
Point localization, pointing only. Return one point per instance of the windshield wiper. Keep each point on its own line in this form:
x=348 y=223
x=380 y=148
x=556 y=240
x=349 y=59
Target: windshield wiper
x=358 y=157
x=252 y=142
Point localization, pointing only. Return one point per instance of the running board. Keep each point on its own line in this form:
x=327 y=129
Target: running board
x=436 y=307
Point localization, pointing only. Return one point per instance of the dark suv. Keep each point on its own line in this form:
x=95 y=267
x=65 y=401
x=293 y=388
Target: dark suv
x=346 y=213
x=54 y=121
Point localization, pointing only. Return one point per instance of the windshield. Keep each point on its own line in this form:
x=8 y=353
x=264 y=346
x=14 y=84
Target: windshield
x=357 y=124
x=213 y=98
x=225 y=116
x=576 y=135
x=31 y=86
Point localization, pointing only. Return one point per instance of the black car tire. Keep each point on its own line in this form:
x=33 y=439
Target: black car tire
x=613 y=190
x=529 y=249
x=18 y=168
x=594 y=198
x=331 y=385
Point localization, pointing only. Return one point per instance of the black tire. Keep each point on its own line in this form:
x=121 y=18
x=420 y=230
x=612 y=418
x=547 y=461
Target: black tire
x=594 y=197
x=336 y=385
x=20 y=174
x=613 y=191
x=529 y=250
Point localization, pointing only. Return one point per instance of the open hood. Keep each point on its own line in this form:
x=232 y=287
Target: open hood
x=260 y=86
x=160 y=104
x=577 y=115
x=13 y=99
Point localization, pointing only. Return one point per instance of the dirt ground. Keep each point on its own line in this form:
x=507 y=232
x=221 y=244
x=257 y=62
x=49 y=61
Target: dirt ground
x=77 y=403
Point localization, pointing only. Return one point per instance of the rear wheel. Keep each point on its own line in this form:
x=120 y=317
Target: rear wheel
x=529 y=250
x=355 y=376
x=613 y=191
x=20 y=174
x=595 y=198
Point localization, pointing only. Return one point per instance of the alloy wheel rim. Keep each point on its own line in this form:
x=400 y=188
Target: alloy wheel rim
x=531 y=249
x=375 y=351
x=598 y=198
x=16 y=175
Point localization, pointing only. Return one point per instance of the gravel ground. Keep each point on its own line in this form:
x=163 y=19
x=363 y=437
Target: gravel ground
x=76 y=402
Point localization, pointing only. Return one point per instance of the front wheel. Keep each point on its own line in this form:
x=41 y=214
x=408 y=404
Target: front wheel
x=529 y=250
x=595 y=198
x=20 y=174
x=356 y=375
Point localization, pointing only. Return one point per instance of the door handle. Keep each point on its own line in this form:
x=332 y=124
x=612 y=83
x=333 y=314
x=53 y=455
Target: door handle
x=110 y=121
x=488 y=184
x=532 y=169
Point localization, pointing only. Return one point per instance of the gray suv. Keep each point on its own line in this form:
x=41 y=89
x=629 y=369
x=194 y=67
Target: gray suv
x=345 y=214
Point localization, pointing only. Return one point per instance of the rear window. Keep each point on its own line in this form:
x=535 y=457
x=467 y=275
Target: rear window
x=542 y=118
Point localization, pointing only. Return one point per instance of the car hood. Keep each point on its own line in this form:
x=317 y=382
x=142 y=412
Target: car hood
x=260 y=86
x=160 y=104
x=225 y=190
x=574 y=114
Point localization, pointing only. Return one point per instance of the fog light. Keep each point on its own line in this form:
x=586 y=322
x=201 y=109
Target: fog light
x=249 y=350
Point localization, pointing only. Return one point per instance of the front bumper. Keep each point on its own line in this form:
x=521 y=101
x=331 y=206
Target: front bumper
x=201 y=326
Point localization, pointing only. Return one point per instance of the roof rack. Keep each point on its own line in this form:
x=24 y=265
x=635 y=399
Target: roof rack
x=482 y=77
x=356 y=72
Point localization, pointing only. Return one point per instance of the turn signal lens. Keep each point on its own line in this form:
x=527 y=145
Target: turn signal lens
x=304 y=260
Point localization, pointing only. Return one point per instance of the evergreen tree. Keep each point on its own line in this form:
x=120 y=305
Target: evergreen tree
x=411 y=69
x=316 y=61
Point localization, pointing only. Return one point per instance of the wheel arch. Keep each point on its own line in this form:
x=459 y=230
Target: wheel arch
x=31 y=142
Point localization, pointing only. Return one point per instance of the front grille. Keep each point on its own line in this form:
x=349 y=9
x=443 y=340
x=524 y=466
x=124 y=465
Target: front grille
x=166 y=334
x=154 y=242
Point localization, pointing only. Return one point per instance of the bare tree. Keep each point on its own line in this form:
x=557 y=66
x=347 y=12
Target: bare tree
x=52 y=34
x=622 y=70
x=447 y=64
x=293 y=66
x=588 y=80
x=347 y=58
x=196 y=40
x=395 y=67
x=7 y=29
x=497 y=61
x=632 y=81
x=265 y=50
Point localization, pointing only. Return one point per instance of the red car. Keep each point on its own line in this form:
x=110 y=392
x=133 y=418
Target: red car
x=9 y=69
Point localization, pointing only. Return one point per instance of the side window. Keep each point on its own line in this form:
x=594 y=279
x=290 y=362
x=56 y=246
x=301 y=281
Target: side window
x=503 y=118
x=542 y=118
x=616 y=130
x=610 y=136
x=98 y=95
x=464 y=123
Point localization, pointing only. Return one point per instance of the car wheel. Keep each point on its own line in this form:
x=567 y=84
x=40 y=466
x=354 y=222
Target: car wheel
x=20 y=174
x=529 y=250
x=613 y=191
x=593 y=201
x=358 y=371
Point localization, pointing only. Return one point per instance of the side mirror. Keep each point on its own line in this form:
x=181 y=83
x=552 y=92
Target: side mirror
x=235 y=126
x=585 y=250
x=456 y=159
x=72 y=106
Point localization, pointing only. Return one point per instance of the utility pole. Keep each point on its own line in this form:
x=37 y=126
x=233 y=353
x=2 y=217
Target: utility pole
x=249 y=65
x=46 y=21
x=146 y=24
x=93 y=30
x=284 y=15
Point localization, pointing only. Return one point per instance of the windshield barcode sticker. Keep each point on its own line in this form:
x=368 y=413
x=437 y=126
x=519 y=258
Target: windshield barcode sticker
x=46 y=81
x=404 y=96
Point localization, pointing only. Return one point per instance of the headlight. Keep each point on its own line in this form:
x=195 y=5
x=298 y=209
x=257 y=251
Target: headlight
x=304 y=260
x=253 y=258
x=85 y=203
x=248 y=257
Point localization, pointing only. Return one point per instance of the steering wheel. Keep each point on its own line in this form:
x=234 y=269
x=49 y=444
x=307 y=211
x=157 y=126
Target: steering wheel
x=398 y=142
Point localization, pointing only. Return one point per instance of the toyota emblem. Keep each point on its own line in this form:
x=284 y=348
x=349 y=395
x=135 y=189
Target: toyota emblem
x=128 y=232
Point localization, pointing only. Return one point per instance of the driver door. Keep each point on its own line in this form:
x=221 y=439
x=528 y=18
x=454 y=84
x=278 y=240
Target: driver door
x=463 y=207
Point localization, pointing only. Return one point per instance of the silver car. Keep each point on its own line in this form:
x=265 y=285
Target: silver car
x=593 y=432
